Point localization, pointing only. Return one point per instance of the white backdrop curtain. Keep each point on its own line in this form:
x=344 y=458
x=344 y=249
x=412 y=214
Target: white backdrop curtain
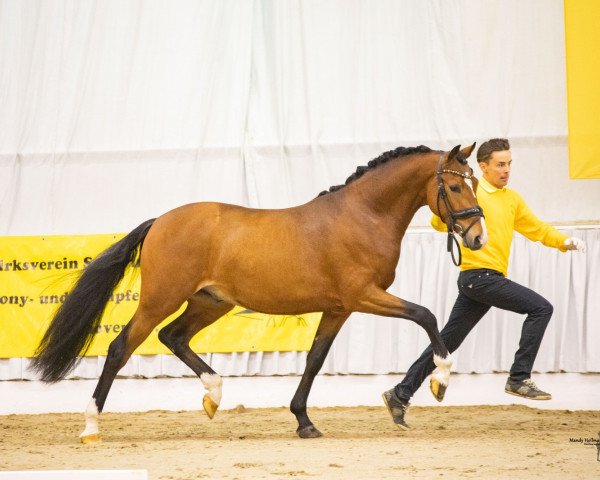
x=114 y=112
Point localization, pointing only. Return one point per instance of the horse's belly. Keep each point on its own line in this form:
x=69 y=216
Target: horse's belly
x=283 y=298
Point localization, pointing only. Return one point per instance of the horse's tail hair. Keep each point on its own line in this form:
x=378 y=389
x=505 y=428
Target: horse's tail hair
x=77 y=320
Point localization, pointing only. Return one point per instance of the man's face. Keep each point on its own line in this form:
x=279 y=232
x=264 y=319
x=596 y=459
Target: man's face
x=497 y=170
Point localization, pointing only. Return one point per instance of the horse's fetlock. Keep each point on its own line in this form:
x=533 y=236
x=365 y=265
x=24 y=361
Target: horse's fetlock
x=297 y=408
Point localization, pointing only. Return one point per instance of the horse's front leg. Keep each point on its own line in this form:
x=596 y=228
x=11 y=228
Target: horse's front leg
x=326 y=332
x=380 y=302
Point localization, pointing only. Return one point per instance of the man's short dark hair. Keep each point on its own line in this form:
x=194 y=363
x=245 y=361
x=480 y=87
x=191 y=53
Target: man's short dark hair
x=487 y=148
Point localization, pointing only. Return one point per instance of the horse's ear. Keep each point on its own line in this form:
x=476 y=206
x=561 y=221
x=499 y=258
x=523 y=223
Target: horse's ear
x=466 y=152
x=453 y=152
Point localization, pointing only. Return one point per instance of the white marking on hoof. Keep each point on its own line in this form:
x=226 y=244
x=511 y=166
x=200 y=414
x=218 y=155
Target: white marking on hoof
x=213 y=384
x=91 y=420
x=442 y=372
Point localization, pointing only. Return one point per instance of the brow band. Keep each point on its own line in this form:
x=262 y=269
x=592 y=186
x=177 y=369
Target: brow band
x=460 y=174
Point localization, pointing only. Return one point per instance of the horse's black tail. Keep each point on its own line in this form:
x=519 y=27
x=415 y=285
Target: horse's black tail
x=77 y=320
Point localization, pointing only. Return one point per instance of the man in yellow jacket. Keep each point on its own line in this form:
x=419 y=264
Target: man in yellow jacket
x=482 y=282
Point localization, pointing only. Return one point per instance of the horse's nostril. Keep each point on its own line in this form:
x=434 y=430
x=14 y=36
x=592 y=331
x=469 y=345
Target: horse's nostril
x=477 y=241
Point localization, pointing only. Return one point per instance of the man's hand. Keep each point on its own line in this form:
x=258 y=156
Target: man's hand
x=574 y=243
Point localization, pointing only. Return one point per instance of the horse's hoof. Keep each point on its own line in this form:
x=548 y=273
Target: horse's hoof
x=88 y=439
x=438 y=389
x=308 y=432
x=210 y=407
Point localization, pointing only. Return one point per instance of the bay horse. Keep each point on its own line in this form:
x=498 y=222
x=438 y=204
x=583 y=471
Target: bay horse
x=336 y=254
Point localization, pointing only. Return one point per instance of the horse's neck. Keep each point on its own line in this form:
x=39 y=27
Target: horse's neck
x=395 y=191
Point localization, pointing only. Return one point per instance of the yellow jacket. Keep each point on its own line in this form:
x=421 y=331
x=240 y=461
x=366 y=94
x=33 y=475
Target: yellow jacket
x=505 y=211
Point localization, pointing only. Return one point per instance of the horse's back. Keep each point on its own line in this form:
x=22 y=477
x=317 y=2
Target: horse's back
x=230 y=222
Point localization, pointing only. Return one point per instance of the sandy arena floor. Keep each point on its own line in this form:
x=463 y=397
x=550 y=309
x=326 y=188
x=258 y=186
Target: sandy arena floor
x=358 y=443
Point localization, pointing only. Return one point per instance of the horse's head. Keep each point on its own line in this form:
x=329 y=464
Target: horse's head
x=451 y=196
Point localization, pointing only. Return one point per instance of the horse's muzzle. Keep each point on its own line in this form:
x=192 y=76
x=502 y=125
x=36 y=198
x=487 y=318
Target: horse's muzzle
x=473 y=240
x=475 y=244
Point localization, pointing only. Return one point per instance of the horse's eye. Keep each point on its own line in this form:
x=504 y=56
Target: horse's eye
x=455 y=188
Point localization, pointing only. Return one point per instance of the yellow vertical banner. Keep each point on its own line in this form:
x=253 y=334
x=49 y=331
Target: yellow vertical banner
x=582 y=41
x=36 y=274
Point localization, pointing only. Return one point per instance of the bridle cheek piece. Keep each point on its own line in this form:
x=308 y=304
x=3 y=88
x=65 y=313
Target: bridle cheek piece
x=453 y=215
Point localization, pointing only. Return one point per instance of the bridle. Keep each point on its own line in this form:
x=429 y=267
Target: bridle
x=453 y=215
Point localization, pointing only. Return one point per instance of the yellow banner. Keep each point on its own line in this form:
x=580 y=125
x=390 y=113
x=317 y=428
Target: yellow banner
x=36 y=274
x=582 y=38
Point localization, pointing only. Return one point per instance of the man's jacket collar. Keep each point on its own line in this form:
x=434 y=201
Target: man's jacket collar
x=488 y=187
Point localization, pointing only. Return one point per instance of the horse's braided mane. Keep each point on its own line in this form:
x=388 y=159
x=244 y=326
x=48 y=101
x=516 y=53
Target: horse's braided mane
x=381 y=159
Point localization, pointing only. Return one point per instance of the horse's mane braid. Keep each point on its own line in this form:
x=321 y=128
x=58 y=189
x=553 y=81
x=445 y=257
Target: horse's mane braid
x=381 y=159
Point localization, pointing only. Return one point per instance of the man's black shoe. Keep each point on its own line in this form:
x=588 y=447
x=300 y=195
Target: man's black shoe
x=397 y=408
x=526 y=389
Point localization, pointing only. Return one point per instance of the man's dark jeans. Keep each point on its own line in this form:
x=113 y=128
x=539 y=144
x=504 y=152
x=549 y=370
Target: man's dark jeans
x=478 y=290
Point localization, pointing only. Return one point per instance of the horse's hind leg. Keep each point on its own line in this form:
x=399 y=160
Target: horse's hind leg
x=328 y=329
x=201 y=311
x=119 y=351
